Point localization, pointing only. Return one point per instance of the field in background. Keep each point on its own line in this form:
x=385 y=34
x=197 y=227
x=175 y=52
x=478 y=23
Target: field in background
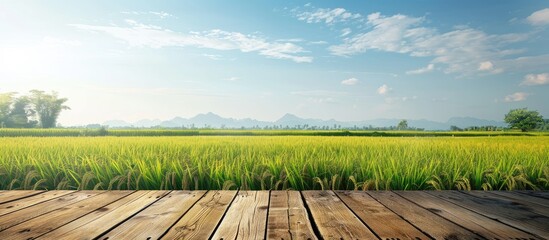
x=274 y=162
x=71 y=132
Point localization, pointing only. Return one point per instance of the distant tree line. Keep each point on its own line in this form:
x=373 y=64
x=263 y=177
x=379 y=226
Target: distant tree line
x=37 y=109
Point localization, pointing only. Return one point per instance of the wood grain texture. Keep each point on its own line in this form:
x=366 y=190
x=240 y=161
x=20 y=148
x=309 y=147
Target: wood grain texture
x=36 y=210
x=539 y=194
x=94 y=224
x=486 y=227
x=7 y=196
x=333 y=219
x=522 y=198
x=518 y=216
x=430 y=223
x=246 y=218
x=52 y=220
x=156 y=219
x=16 y=205
x=384 y=222
x=202 y=219
x=288 y=217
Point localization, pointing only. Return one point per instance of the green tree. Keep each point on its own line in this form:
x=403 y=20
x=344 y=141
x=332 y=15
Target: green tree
x=21 y=114
x=523 y=119
x=402 y=125
x=47 y=107
x=6 y=100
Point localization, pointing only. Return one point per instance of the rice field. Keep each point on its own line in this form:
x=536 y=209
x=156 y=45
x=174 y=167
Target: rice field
x=275 y=162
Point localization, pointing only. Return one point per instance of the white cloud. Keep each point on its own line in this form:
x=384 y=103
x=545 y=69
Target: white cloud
x=428 y=68
x=535 y=79
x=350 y=81
x=459 y=51
x=516 y=97
x=345 y=32
x=213 y=56
x=485 y=66
x=318 y=42
x=326 y=15
x=141 y=35
x=232 y=79
x=393 y=100
x=540 y=17
x=384 y=89
x=160 y=14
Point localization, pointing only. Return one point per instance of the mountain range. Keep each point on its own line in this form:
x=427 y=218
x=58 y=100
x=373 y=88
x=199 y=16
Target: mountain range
x=211 y=120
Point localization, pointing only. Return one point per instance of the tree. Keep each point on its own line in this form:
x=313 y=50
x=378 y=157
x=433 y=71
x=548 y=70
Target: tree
x=402 y=125
x=6 y=99
x=21 y=114
x=47 y=107
x=523 y=119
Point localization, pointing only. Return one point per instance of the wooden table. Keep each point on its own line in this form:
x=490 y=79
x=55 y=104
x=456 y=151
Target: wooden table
x=274 y=215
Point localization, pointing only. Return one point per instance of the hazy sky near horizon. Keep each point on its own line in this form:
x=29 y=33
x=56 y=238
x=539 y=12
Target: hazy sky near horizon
x=132 y=60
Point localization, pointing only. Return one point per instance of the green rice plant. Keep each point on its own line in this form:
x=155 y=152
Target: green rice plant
x=275 y=163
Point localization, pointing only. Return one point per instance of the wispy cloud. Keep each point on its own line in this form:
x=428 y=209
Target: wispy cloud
x=393 y=100
x=345 y=32
x=384 y=89
x=540 y=17
x=350 y=81
x=232 y=79
x=160 y=14
x=535 y=79
x=326 y=15
x=142 y=35
x=460 y=51
x=428 y=68
x=516 y=97
x=318 y=42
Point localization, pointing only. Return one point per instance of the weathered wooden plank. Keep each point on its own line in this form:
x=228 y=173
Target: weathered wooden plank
x=518 y=216
x=202 y=219
x=13 y=206
x=40 y=225
x=246 y=217
x=25 y=214
x=430 y=223
x=472 y=221
x=539 y=194
x=522 y=198
x=385 y=223
x=155 y=220
x=333 y=219
x=288 y=217
x=102 y=219
x=7 y=196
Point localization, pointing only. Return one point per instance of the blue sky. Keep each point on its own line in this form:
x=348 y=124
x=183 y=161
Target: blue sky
x=357 y=60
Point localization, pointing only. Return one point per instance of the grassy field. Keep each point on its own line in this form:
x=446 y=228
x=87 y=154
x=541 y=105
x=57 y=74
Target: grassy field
x=274 y=162
x=72 y=132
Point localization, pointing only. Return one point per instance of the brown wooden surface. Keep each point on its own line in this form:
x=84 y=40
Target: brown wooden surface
x=432 y=224
x=473 y=221
x=281 y=215
x=7 y=196
x=153 y=222
x=515 y=215
x=333 y=219
x=202 y=219
x=384 y=222
x=93 y=224
x=59 y=217
x=246 y=218
x=288 y=217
